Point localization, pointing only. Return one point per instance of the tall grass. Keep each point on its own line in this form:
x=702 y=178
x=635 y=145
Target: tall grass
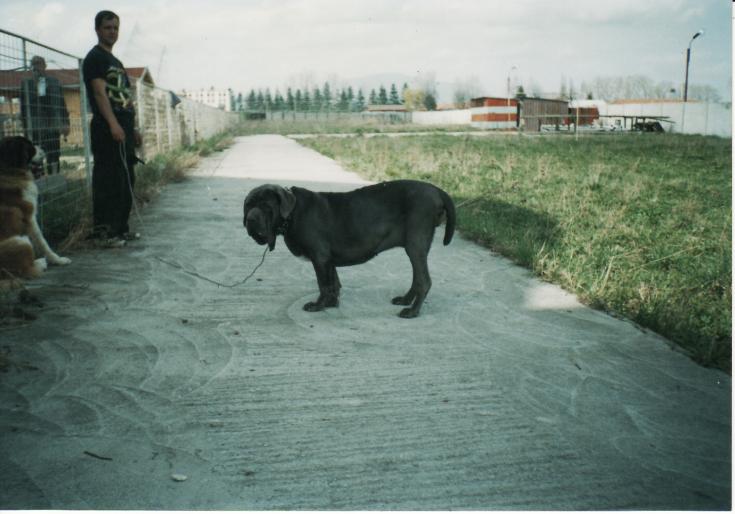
x=639 y=225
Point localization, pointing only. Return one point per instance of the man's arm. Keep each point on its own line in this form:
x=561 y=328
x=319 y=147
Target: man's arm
x=103 y=103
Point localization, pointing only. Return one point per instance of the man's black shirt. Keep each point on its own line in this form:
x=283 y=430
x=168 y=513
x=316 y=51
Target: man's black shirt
x=100 y=64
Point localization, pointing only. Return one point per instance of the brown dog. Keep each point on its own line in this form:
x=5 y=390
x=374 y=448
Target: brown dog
x=343 y=229
x=19 y=230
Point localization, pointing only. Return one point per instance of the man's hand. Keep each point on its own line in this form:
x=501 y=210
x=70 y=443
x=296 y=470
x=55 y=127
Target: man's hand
x=118 y=134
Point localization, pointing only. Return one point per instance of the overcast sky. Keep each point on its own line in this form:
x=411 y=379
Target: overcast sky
x=244 y=44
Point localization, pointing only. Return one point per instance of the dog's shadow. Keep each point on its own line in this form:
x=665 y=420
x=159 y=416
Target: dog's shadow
x=516 y=231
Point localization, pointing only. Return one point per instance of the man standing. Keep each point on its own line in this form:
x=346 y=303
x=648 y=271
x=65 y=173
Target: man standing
x=44 y=112
x=113 y=132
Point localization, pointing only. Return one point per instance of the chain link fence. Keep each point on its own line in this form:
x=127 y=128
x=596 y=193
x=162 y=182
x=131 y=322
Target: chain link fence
x=42 y=97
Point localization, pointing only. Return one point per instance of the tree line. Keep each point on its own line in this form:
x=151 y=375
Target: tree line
x=325 y=100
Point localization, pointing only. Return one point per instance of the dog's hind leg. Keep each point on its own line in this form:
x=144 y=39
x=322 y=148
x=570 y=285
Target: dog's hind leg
x=329 y=286
x=417 y=250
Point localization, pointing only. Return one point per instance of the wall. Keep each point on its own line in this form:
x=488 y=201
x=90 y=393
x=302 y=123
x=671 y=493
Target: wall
x=688 y=118
x=453 y=117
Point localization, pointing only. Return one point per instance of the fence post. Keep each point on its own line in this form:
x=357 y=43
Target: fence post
x=169 y=123
x=158 y=123
x=85 y=127
x=140 y=113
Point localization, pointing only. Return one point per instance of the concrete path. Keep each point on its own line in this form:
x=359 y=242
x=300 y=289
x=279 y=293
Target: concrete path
x=142 y=387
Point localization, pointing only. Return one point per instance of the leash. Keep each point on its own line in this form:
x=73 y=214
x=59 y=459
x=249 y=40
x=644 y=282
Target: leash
x=219 y=284
x=123 y=153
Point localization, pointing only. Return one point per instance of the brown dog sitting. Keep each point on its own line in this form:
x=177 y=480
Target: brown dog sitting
x=19 y=230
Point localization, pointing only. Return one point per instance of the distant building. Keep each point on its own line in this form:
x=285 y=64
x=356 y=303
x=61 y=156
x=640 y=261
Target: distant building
x=543 y=112
x=211 y=97
x=494 y=113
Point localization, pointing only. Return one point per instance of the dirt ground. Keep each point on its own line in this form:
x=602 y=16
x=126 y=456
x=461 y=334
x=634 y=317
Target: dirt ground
x=140 y=386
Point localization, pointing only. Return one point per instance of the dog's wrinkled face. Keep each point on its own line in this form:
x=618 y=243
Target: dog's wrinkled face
x=259 y=218
x=16 y=152
x=264 y=209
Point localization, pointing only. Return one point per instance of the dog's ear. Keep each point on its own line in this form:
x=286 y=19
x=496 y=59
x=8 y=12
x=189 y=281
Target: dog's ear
x=246 y=206
x=286 y=201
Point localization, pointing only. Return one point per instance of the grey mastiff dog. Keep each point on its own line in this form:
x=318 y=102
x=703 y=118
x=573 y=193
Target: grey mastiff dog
x=344 y=229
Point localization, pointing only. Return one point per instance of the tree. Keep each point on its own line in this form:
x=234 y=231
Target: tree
x=350 y=97
x=414 y=99
x=703 y=93
x=317 y=104
x=360 y=102
x=641 y=87
x=563 y=89
x=290 y=102
x=466 y=90
x=298 y=102
x=382 y=96
x=394 y=99
x=373 y=97
x=250 y=101
x=430 y=102
x=327 y=96
x=343 y=104
x=278 y=102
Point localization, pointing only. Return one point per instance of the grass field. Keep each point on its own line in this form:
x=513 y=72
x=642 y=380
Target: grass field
x=638 y=225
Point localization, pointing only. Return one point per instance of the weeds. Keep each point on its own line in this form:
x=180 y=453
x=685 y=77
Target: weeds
x=638 y=225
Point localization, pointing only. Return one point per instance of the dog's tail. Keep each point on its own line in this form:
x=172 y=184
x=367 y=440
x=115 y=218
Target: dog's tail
x=451 y=216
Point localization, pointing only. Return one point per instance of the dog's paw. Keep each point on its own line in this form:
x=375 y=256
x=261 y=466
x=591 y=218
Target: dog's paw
x=409 y=313
x=60 y=261
x=40 y=265
x=313 y=307
x=401 y=300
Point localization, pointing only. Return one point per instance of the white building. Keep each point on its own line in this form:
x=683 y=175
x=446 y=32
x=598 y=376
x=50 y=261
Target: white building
x=694 y=117
x=212 y=97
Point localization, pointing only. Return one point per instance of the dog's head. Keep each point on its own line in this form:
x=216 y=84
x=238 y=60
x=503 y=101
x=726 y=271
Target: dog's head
x=264 y=210
x=16 y=152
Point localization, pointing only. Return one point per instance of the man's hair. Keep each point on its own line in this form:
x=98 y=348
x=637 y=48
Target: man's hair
x=103 y=16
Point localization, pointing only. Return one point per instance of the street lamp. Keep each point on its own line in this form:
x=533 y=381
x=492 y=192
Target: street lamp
x=508 y=91
x=689 y=51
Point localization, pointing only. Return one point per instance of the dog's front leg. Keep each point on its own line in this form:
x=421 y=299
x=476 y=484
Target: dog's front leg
x=40 y=242
x=329 y=286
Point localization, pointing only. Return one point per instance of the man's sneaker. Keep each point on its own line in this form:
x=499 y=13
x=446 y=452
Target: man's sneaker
x=113 y=242
x=130 y=236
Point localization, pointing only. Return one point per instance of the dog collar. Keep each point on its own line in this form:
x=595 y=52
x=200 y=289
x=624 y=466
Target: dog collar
x=281 y=229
